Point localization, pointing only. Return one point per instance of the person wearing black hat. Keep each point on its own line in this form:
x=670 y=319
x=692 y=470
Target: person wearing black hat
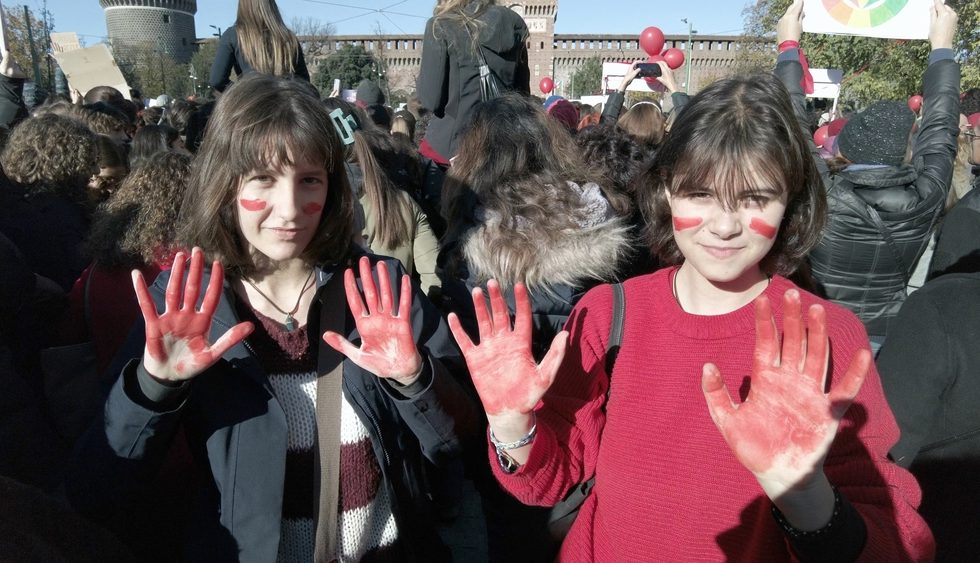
x=886 y=196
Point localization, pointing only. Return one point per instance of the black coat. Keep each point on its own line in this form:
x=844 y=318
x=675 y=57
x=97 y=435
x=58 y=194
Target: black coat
x=229 y=56
x=862 y=263
x=449 y=81
x=958 y=241
x=237 y=427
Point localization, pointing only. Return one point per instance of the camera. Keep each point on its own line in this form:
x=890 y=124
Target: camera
x=648 y=69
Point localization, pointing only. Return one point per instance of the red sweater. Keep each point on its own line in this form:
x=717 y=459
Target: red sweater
x=668 y=488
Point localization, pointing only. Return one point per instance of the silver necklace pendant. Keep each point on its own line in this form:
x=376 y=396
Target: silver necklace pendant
x=290 y=323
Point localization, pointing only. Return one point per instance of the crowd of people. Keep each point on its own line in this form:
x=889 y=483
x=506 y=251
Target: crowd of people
x=278 y=326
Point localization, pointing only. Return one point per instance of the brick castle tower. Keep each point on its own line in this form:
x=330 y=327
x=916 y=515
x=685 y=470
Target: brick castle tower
x=166 y=25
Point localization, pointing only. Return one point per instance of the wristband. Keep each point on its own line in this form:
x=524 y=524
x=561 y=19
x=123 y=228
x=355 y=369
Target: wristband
x=527 y=439
x=795 y=533
x=788 y=44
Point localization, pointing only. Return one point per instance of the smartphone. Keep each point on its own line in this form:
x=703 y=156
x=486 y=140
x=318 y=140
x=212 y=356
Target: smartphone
x=648 y=69
x=336 y=84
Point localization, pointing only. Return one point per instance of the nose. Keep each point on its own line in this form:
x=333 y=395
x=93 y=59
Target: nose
x=725 y=223
x=287 y=202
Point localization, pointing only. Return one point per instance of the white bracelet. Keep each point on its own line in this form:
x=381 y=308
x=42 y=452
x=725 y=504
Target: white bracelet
x=527 y=439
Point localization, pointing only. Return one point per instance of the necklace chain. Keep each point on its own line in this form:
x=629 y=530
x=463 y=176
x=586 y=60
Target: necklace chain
x=289 y=321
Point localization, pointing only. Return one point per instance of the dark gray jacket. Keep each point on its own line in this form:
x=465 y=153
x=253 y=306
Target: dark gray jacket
x=449 y=81
x=879 y=219
x=237 y=429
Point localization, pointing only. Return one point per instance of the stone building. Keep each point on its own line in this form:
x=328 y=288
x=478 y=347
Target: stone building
x=163 y=25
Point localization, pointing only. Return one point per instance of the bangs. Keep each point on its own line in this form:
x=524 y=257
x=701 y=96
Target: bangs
x=280 y=140
x=730 y=171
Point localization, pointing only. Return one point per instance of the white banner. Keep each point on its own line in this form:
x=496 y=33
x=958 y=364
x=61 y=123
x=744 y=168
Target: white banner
x=612 y=76
x=894 y=19
x=826 y=82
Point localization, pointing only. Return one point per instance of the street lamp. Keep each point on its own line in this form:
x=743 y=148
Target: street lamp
x=690 y=60
x=217 y=29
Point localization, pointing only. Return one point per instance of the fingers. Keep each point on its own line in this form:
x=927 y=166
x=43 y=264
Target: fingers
x=498 y=307
x=367 y=283
x=384 y=288
x=405 y=298
x=815 y=364
x=843 y=394
x=353 y=295
x=720 y=403
x=766 y=342
x=548 y=368
x=794 y=344
x=462 y=339
x=212 y=294
x=483 y=322
x=172 y=298
x=230 y=338
x=193 y=286
x=147 y=307
x=342 y=345
x=522 y=321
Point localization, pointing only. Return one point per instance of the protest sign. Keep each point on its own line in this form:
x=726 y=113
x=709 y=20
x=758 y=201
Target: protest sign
x=613 y=73
x=895 y=19
x=90 y=67
x=65 y=42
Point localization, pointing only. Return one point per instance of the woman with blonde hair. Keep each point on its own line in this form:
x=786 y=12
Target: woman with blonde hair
x=258 y=42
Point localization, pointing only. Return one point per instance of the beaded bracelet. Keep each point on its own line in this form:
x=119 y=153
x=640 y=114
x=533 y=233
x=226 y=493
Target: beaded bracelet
x=527 y=439
x=795 y=533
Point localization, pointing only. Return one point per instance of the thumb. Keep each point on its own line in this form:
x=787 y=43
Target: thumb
x=552 y=360
x=843 y=394
x=720 y=404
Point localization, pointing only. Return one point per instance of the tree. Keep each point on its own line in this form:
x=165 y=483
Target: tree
x=201 y=62
x=315 y=37
x=152 y=71
x=20 y=46
x=350 y=63
x=874 y=69
x=587 y=78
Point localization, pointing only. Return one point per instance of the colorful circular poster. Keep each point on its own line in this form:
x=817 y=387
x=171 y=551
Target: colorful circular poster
x=863 y=13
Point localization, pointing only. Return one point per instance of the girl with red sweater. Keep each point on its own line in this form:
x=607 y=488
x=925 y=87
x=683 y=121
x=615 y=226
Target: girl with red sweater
x=708 y=446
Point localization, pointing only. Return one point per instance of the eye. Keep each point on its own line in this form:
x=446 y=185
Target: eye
x=699 y=195
x=313 y=180
x=756 y=201
x=260 y=178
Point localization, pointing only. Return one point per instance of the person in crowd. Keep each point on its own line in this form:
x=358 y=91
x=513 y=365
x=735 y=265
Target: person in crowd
x=883 y=206
x=612 y=111
x=151 y=140
x=797 y=468
x=54 y=177
x=331 y=451
x=561 y=109
x=958 y=240
x=106 y=119
x=456 y=36
x=403 y=125
x=181 y=114
x=113 y=167
x=260 y=42
x=394 y=224
x=12 y=79
x=928 y=369
x=529 y=210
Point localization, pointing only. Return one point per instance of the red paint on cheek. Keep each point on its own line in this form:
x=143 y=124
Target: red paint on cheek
x=312 y=208
x=252 y=204
x=763 y=228
x=681 y=223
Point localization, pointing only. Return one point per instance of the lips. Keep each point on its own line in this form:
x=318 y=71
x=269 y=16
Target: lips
x=286 y=234
x=722 y=251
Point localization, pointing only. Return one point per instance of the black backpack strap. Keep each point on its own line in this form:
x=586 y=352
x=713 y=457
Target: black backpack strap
x=616 y=327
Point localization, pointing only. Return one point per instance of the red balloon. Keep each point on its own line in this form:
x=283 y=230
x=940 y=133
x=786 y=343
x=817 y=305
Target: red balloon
x=820 y=136
x=652 y=40
x=915 y=103
x=674 y=58
x=546 y=85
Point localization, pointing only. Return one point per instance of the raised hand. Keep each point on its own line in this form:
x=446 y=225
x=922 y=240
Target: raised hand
x=790 y=25
x=177 y=345
x=387 y=344
x=783 y=430
x=502 y=367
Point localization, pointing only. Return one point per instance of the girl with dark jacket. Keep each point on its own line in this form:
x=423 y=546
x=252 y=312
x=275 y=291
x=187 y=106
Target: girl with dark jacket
x=260 y=42
x=883 y=205
x=308 y=455
x=449 y=81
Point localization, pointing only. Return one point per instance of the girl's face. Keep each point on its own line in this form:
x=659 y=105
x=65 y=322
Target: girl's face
x=279 y=208
x=724 y=246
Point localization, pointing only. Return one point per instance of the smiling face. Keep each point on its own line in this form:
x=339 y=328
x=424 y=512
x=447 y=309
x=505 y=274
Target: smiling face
x=279 y=208
x=724 y=236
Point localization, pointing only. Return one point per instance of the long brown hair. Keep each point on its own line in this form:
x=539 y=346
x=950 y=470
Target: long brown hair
x=262 y=121
x=266 y=43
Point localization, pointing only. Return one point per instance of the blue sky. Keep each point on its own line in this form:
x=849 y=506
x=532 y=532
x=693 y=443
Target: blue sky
x=408 y=16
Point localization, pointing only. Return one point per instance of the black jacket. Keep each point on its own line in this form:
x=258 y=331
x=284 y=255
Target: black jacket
x=958 y=241
x=449 y=81
x=229 y=56
x=237 y=429
x=879 y=219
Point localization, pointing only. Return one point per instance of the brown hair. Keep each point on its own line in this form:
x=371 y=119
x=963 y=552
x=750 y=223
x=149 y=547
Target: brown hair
x=262 y=121
x=52 y=153
x=266 y=43
x=645 y=122
x=732 y=134
x=138 y=225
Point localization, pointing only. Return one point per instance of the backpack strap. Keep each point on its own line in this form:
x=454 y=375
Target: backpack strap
x=616 y=327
